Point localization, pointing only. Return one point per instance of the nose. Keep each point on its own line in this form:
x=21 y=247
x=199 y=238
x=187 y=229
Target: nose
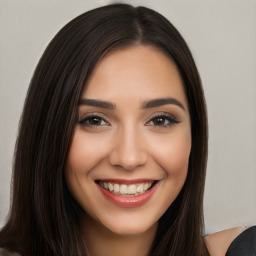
x=128 y=151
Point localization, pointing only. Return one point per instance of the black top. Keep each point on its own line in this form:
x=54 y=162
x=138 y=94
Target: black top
x=244 y=244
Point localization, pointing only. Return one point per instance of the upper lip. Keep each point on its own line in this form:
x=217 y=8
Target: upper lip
x=126 y=181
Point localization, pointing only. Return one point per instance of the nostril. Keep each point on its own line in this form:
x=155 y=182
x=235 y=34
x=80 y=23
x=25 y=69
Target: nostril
x=127 y=161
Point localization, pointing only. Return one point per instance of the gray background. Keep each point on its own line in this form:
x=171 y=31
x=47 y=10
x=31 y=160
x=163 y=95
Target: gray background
x=222 y=37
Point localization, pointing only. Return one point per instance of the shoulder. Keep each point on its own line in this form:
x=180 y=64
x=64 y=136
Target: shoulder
x=4 y=252
x=234 y=241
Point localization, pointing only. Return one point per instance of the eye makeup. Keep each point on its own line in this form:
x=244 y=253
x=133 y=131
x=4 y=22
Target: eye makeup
x=93 y=120
x=158 y=120
x=162 y=119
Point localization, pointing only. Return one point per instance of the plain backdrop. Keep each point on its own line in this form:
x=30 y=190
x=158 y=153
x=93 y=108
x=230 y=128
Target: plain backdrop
x=222 y=37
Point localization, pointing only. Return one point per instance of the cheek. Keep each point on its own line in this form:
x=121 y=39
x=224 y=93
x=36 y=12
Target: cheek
x=85 y=152
x=173 y=155
x=81 y=159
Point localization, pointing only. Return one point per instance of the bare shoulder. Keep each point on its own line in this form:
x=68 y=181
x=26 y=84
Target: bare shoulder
x=218 y=243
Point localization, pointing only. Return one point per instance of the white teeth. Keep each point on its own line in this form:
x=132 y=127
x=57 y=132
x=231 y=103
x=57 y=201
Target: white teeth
x=110 y=187
x=123 y=189
x=116 y=188
x=145 y=187
x=131 y=189
x=140 y=188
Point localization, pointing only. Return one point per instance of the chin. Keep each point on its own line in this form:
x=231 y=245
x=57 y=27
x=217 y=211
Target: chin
x=130 y=227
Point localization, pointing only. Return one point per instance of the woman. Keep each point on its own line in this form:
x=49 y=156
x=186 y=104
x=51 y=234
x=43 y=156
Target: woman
x=111 y=153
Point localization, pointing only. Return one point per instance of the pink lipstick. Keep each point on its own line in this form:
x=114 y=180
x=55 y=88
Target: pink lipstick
x=128 y=193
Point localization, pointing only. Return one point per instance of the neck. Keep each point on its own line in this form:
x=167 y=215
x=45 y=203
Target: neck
x=102 y=242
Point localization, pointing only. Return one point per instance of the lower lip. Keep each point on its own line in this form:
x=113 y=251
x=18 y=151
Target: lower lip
x=128 y=201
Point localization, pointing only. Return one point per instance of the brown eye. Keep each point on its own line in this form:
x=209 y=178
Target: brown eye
x=159 y=121
x=162 y=121
x=93 y=121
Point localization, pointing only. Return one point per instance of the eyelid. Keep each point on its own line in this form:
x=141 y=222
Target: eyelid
x=170 y=117
x=90 y=115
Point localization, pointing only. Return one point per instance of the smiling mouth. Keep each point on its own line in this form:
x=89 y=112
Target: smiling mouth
x=127 y=189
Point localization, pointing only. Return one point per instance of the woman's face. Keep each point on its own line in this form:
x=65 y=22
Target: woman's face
x=129 y=156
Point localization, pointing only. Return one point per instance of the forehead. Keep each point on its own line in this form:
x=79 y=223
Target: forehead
x=141 y=71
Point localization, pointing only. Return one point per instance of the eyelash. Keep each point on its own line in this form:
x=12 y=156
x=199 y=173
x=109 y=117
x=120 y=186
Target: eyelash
x=167 y=119
x=85 y=121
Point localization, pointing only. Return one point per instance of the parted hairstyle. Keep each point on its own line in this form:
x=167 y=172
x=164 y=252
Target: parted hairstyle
x=43 y=218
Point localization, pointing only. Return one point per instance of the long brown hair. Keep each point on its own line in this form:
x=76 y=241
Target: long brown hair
x=43 y=219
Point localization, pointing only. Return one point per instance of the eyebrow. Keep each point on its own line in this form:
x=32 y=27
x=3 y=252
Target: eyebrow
x=161 y=102
x=145 y=104
x=97 y=103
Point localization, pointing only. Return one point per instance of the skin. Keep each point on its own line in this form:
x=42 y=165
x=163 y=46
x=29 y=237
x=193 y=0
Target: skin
x=129 y=142
x=218 y=243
